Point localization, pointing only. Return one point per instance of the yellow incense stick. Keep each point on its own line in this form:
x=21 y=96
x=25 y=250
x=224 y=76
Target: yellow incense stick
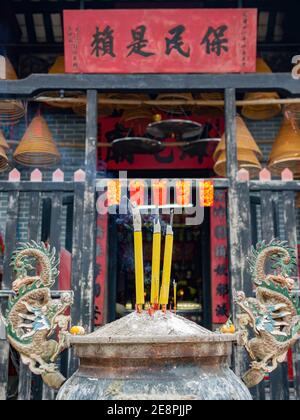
x=166 y=278
x=156 y=250
x=138 y=257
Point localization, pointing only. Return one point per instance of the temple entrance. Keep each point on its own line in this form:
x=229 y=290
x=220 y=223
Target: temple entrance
x=190 y=268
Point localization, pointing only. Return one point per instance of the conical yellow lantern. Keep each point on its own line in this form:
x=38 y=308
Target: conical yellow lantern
x=37 y=147
x=248 y=151
x=286 y=150
x=261 y=112
x=11 y=111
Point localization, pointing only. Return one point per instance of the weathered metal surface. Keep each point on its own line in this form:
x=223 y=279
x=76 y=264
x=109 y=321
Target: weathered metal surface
x=86 y=282
x=159 y=356
x=148 y=82
x=290 y=222
x=35 y=187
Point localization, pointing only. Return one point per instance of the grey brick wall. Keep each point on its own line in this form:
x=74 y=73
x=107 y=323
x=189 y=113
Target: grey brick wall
x=65 y=127
x=268 y=130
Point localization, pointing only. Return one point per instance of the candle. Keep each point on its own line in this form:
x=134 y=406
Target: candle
x=138 y=258
x=166 y=278
x=156 y=250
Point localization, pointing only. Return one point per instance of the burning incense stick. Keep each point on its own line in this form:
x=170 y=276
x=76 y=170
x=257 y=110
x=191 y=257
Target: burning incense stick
x=138 y=258
x=166 y=278
x=156 y=250
x=175 y=294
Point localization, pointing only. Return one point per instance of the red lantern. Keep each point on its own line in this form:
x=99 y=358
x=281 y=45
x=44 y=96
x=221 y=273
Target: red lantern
x=159 y=192
x=113 y=192
x=207 y=193
x=137 y=192
x=183 y=193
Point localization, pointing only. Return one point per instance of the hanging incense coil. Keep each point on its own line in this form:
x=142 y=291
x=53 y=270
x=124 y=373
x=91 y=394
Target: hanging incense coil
x=248 y=151
x=59 y=68
x=11 y=110
x=4 y=164
x=261 y=112
x=292 y=113
x=247 y=159
x=127 y=97
x=104 y=110
x=175 y=109
x=136 y=115
x=209 y=111
x=286 y=150
x=37 y=147
x=297 y=201
x=244 y=139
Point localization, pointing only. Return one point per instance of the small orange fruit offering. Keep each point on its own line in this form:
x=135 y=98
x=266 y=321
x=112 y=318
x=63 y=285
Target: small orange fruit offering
x=228 y=328
x=77 y=330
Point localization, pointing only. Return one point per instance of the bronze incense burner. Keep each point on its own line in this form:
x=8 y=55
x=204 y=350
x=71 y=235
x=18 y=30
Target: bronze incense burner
x=159 y=356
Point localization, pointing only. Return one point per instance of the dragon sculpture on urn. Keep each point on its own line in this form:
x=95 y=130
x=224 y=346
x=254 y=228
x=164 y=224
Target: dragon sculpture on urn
x=274 y=315
x=37 y=325
x=33 y=318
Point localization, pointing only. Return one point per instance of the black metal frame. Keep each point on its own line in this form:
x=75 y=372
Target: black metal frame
x=37 y=83
x=239 y=220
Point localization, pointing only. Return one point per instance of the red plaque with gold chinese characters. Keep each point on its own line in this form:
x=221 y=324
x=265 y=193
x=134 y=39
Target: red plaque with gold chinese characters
x=161 y=41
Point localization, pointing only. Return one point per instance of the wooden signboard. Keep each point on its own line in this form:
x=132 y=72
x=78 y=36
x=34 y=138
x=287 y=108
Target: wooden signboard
x=161 y=41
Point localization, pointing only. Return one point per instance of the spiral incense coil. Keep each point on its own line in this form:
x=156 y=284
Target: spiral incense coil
x=286 y=150
x=261 y=112
x=246 y=160
x=127 y=97
x=11 y=110
x=209 y=111
x=175 y=109
x=3 y=157
x=3 y=142
x=104 y=110
x=137 y=114
x=244 y=138
x=37 y=147
x=59 y=68
x=248 y=151
x=292 y=113
x=4 y=164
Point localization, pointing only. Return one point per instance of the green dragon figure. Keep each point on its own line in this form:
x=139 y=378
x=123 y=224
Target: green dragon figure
x=32 y=317
x=274 y=315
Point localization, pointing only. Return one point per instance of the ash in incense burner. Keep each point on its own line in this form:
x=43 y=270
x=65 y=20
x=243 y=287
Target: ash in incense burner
x=153 y=357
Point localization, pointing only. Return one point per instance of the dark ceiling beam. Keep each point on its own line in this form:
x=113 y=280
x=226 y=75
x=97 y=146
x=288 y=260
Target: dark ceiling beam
x=271 y=26
x=9 y=27
x=30 y=27
x=48 y=28
x=50 y=39
x=57 y=7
